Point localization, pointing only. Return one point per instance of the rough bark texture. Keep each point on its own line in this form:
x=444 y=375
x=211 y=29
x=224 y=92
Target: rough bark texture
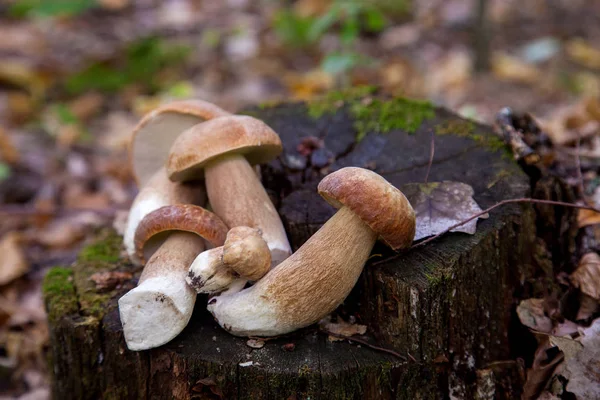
x=449 y=304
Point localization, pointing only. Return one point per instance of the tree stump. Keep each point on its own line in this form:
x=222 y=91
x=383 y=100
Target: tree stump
x=448 y=306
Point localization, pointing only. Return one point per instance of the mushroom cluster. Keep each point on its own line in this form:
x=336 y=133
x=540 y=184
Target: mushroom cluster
x=186 y=153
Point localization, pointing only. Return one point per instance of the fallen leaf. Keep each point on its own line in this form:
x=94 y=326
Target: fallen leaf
x=570 y=123
x=209 y=383
x=512 y=69
x=86 y=106
x=60 y=234
x=341 y=327
x=545 y=361
x=439 y=205
x=583 y=370
x=255 y=343
x=531 y=314
x=587 y=217
x=12 y=263
x=588 y=306
x=289 y=347
x=587 y=275
x=109 y=280
x=583 y=53
x=8 y=151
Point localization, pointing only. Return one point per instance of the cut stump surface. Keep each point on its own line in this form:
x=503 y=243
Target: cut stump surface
x=446 y=306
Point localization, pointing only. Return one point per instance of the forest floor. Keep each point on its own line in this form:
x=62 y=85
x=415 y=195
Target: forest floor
x=75 y=80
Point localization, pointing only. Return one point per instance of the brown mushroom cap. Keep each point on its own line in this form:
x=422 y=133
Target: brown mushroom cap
x=246 y=252
x=234 y=134
x=377 y=202
x=154 y=134
x=180 y=217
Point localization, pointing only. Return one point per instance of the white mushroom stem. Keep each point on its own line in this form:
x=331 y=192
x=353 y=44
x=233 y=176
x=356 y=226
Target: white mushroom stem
x=208 y=273
x=244 y=256
x=307 y=286
x=238 y=197
x=161 y=305
x=158 y=192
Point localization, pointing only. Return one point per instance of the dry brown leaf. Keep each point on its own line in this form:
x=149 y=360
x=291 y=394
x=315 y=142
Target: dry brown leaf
x=86 y=106
x=512 y=69
x=583 y=53
x=12 y=262
x=583 y=369
x=306 y=86
x=341 y=327
x=587 y=275
x=544 y=364
x=587 y=217
x=531 y=314
x=60 y=234
x=109 y=280
x=8 y=151
x=588 y=306
x=573 y=122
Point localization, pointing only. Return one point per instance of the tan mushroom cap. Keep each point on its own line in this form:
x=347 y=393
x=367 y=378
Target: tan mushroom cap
x=377 y=202
x=246 y=252
x=155 y=133
x=180 y=217
x=234 y=134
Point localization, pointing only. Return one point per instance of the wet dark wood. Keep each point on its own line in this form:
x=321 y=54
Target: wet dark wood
x=448 y=304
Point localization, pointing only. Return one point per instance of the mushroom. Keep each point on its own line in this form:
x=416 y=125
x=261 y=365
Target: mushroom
x=148 y=152
x=317 y=278
x=161 y=305
x=244 y=257
x=223 y=150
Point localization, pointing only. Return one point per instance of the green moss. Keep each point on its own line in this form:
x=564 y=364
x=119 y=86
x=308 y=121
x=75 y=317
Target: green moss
x=438 y=276
x=59 y=293
x=101 y=256
x=330 y=102
x=374 y=114
x=464 y=128
x=107 y=249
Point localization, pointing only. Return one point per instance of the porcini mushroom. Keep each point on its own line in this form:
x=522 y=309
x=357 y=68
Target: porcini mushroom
x=245 y=256
x=148 y=151
x=224 y=149
x=161 y=305
x=317 y=278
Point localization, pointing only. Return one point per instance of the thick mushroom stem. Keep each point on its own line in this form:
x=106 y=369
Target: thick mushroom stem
x=307 y=286
x=238 y=197
x=161 y=305
x=158 y=192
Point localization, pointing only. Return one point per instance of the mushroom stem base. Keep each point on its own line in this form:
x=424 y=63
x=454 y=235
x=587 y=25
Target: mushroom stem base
x=161 y=305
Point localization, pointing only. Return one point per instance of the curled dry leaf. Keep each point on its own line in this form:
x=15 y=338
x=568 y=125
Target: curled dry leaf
x=531 y=314
x=583 y=369
x=439 y=205
x=587 y=218
x=545 y=361
x=341 y=327
x=587 y=275
x=13 y=264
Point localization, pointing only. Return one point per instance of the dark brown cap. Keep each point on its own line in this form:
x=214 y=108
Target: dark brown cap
x=235 y=134
x=377 y=202
x=155 y=133
x=180 y=217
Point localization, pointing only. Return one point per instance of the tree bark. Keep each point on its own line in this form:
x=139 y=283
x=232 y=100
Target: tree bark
x=448 y=306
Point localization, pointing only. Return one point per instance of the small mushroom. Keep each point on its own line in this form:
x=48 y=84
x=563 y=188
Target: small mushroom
x=148 y=150
x=161 y=305
x=317 y=278
x=223 y=150
x=244 y=257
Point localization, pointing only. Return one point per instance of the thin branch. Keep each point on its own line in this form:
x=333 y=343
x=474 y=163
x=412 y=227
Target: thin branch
x=431 y=153
x=479 y=214
x=503 y=202
x=365 y=343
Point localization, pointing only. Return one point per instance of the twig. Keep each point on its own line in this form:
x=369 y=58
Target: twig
x=365 y=343
x=431 y=153
x=479 y=214
x=503 y=202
